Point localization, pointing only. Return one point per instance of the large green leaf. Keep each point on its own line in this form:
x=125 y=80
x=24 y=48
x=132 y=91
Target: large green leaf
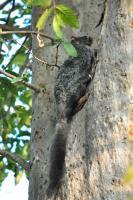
x=70 y=49
x=42 y=20
x=67 y=15
x=57 y=26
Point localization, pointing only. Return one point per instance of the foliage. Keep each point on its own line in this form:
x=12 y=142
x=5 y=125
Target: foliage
x=62 y=16
x=15 y=99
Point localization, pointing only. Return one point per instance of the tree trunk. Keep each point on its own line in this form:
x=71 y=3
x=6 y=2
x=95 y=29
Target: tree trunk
x=97 y=151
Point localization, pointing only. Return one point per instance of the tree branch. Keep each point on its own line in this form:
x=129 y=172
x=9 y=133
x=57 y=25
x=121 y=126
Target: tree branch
x=14 y=30
x=4 y=4
x=31 y=86
x=15 y=157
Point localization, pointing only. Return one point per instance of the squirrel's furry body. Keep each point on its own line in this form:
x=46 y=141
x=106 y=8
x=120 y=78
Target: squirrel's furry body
x=71 y=86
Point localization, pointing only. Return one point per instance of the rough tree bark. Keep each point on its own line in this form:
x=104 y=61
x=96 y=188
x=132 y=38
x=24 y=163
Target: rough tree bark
x=98 y=151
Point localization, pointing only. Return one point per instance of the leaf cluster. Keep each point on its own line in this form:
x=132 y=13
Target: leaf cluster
x=63 y=16
x=15 y=99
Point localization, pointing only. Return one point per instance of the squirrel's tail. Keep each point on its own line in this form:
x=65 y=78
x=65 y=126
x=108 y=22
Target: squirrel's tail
x=57 y=156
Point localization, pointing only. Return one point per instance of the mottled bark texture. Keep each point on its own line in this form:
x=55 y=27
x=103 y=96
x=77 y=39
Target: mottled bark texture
x=98 y=148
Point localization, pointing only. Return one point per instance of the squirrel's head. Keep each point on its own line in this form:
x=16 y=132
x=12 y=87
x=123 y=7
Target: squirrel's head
x=84 y=40
x=81 y=44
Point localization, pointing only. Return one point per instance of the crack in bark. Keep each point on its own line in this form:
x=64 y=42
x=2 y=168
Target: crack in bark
x=102 y=15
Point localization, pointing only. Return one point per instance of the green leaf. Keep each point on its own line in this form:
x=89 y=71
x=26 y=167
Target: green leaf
x=43 y=3
x=57 y=26
x=15 y=80
x=60 y=21
x=0 y=30
x=5 y=84
x=3 y=175
x=1 y=165
x=67 y=15
x=25 y=151
x=70 y=49
x=42 y=20
x=25 y=97
x=19 y=59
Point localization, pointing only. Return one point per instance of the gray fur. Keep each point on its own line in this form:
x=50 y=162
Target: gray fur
x=71 y=84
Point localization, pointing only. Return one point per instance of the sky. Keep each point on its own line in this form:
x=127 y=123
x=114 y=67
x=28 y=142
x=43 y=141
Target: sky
x=9 y=191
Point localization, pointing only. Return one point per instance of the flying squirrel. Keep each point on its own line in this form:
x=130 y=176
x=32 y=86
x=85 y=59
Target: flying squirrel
x=71 y=93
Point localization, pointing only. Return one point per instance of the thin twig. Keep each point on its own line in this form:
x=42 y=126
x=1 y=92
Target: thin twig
x=56 y=56
x=6 y=27
x=31 y=86
x=25 y=66
x=15 y=157
x=10 y=11
x=38 y=59
x=17 y=52
x=22 y=45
